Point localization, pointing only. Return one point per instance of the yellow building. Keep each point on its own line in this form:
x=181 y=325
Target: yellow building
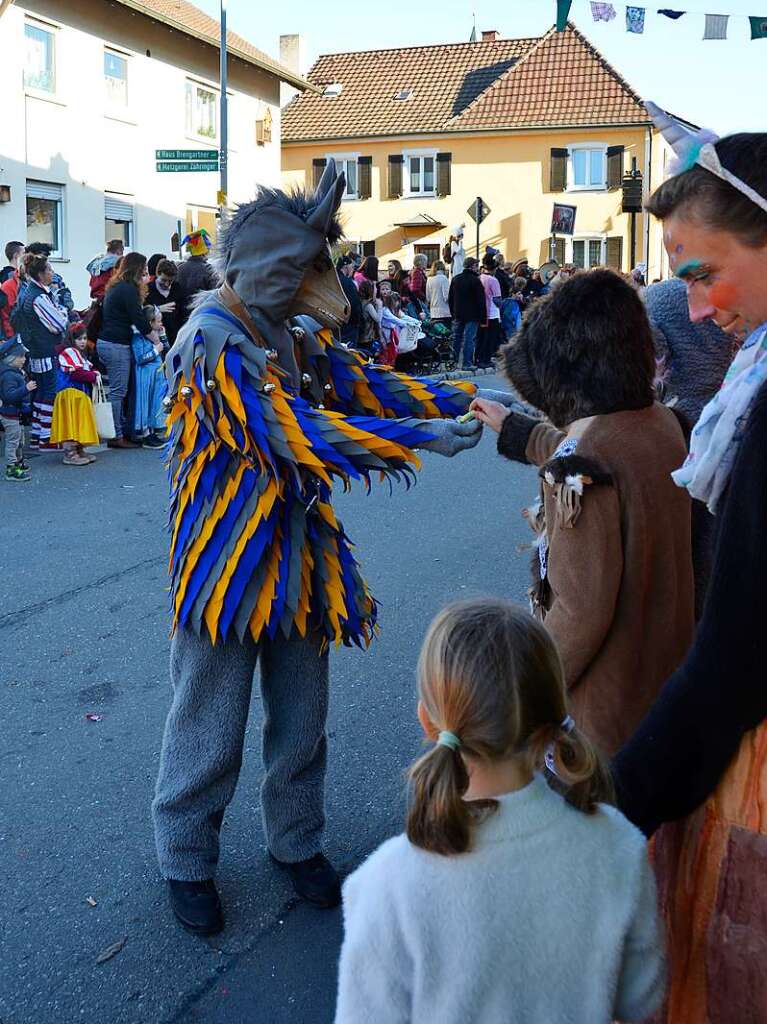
x=522 y=123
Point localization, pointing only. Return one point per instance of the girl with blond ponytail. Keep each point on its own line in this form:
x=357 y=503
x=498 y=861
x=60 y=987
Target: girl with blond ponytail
x=516 y=894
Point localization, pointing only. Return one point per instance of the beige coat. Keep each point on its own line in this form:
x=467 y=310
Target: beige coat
x=620 y=585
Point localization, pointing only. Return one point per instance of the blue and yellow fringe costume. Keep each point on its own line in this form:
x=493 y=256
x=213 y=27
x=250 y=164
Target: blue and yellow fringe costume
x=256 y=546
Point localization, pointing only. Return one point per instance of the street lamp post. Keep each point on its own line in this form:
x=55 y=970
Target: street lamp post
x=223 y=154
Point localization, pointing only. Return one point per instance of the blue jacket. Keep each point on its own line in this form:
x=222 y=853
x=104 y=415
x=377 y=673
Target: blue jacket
x=14 y=397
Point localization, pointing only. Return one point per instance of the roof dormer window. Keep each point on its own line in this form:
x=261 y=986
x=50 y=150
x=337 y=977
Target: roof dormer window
x=333 y=89
x=403 y=94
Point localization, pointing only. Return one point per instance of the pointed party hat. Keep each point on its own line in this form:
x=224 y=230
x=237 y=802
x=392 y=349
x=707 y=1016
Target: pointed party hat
x=697 y=148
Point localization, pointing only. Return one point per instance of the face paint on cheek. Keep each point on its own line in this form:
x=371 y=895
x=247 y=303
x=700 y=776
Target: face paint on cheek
x=724 y=295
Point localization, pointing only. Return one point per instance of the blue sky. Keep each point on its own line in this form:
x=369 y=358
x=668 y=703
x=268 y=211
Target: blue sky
x=720 y=84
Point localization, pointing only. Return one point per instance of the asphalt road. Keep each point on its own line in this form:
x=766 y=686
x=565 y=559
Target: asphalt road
x=84 y=630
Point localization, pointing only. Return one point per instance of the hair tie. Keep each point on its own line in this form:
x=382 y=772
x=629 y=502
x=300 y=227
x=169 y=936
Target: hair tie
x=567 y=724
x=448 y=739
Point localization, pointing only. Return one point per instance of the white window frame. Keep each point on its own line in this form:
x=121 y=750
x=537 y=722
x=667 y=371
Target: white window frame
x=59 y=199
x=579 y=147
x=119 y=110
x=52 y=31
x=408 y=155
x=587 y=237
x=196 y=83
x=342 y=159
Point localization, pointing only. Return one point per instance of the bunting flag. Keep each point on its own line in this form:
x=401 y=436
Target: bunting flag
x=635 y=19
x=602 y=10
x=716 y=26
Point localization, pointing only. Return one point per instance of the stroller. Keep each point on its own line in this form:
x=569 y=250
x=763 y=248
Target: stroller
x=434 y=353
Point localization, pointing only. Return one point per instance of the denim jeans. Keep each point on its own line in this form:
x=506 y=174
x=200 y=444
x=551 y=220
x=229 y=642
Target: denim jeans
x=464 y=337
x=117 y=360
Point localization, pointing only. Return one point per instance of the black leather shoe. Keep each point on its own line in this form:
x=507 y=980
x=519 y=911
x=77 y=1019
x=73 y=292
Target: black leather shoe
x=315 y=880
x=197 y=906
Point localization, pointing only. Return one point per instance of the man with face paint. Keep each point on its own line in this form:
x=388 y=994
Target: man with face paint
x=698 y=762
x=266 y=410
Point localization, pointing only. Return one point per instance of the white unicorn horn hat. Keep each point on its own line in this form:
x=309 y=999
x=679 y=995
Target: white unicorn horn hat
x=697 y=148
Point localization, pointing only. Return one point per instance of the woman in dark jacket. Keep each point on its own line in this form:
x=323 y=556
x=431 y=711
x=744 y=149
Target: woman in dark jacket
x=699 y=759
x=125 y=294
x=165 y=293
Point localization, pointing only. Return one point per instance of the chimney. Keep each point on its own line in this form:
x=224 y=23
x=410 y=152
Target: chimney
x=490 y=35
x=293 y=56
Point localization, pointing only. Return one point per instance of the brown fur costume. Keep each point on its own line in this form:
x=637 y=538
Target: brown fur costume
x=613 y=573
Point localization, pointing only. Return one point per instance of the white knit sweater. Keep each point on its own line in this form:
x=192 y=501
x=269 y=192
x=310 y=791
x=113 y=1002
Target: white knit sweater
x=550 y=919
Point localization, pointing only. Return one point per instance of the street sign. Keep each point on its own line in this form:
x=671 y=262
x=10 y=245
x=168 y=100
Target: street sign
x=187 y=165
x=186 y=154
x=478 y=210
x=563 y=219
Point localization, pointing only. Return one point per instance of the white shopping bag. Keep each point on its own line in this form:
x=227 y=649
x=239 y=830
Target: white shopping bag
x=105 y=422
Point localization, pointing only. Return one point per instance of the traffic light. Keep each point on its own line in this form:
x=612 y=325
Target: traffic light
x=632 y=193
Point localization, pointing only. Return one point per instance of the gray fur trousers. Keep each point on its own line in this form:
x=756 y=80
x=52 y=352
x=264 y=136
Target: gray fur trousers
x=202 y=749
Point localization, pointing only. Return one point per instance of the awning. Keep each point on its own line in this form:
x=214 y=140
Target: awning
x=422 y=221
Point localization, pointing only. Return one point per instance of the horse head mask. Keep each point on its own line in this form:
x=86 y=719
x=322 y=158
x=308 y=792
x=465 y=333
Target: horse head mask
x=275 y=254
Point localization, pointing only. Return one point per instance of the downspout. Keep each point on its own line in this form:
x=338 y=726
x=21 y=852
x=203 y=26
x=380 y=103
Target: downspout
x=648 y=188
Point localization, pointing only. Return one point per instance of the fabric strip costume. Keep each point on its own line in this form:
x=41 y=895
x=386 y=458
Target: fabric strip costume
x=256 y=547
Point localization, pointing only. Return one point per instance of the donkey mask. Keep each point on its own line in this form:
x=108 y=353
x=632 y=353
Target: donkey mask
x=275 y=253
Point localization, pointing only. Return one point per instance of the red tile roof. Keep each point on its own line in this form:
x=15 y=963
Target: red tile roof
x=444 y=80
x=559 y=79
x=187 y=18
x=562 y=80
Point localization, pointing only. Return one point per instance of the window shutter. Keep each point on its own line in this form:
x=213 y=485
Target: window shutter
x=444 y=161
x=558 y=174
x=559 y=250
x=117 y=209
x=364 y=170
x=614 y=166
x=395 y=175
x=44 y=190
x=615 y=252
x=318 y=166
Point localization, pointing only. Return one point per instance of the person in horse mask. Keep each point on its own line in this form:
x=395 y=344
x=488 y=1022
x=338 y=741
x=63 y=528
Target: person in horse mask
x=265 y=411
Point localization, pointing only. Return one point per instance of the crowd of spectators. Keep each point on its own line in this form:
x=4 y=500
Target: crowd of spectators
x=49 y=349
x=453 y=314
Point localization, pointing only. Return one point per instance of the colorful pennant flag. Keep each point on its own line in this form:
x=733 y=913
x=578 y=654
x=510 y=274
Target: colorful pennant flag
x=716 y=26
x=668 y=13
x=602 y=12
x=563 y=12
x=758 y=28
x=635 y=19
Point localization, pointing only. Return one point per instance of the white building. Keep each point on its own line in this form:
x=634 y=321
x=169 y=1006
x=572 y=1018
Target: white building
x=91 y=91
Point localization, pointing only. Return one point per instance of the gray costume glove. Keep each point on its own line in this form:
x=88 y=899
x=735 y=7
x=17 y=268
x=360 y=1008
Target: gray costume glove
x=452 y=436
x=510 y=400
